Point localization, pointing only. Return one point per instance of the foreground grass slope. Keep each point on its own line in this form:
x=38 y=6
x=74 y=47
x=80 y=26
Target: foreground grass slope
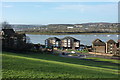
x=50 y=66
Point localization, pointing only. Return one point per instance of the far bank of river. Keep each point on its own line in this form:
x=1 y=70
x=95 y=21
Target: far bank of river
x=85 y=39
x=82 y=33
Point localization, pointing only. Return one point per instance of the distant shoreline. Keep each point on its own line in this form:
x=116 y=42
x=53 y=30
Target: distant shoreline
x=82 y=33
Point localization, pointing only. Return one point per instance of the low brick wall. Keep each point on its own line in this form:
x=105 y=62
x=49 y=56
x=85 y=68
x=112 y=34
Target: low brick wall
x=104 y=54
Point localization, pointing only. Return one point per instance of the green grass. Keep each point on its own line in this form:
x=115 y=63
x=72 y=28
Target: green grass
x=50 y=66
x=83 y=51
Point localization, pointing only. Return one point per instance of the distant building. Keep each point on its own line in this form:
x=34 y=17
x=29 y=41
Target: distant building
x=98 y=46
x=111 y=47
x=70 y=43
x=52 y=42
x=70 y=27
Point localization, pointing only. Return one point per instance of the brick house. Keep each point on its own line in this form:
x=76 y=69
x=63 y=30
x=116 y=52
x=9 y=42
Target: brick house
x=98 y=46
x=111 y=47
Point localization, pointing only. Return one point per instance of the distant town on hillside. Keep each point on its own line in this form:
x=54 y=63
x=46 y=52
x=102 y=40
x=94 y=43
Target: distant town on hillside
x=69 y=28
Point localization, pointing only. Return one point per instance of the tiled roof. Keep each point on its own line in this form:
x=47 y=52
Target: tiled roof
x=111 y=41
x=53 y=38
x=8 y=31
x=68 y=37
x=98 y=42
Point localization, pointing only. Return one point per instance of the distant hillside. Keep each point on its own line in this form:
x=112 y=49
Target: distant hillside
x=64 y=28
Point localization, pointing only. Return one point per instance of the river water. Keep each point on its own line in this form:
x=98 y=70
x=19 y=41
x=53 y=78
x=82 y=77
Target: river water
x=85 y=39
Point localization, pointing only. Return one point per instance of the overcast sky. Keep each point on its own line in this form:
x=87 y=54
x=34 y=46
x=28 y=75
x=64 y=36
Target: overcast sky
x=59 y=12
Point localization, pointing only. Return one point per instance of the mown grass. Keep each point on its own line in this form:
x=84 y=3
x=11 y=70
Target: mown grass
x=50 y=66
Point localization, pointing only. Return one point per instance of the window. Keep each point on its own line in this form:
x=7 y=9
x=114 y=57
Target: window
x=65 y=44
x=57 y=44
x=15 y=41
x=53 y=41
x=65 y=40
x=76 y=44
x=111 y=45
x=2 y=33
x=69 y=45
x=68 y=40
x=110 y=51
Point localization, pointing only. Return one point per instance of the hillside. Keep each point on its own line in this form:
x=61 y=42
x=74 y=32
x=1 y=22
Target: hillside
x=51 y=66
x=69 y=28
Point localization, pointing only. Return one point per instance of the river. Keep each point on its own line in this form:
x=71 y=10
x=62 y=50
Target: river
x=85 y=39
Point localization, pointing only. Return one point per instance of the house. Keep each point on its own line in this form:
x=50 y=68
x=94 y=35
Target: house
x=70 y=43
x=11 y=39
x=82 y=47
x=98 y=46
x=52 y=42
x=89 y=48
x=111 y=47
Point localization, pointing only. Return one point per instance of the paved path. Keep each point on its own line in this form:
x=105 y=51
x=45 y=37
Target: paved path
x=88 y=55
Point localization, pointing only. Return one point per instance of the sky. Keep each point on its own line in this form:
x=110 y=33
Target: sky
x=59 y=12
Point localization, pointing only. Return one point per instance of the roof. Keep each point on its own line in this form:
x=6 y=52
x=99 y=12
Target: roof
x=8 y=31
x=68 y=37
x=53 y=38
x=98 y=42
x=18 y=35
x=111 y=41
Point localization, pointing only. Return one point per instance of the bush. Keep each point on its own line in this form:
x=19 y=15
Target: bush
x=74 y=54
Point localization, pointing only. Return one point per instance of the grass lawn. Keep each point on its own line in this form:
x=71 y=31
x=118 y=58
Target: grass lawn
x=51 y=66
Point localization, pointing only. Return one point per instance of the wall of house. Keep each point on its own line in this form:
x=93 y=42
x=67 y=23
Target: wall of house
x=99 y=49
x=111 y=48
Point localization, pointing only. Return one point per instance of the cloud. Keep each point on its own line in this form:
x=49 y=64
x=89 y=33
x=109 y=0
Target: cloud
x=69 y=7
x=83 y=8
x=7 y=6
x=37 y=5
